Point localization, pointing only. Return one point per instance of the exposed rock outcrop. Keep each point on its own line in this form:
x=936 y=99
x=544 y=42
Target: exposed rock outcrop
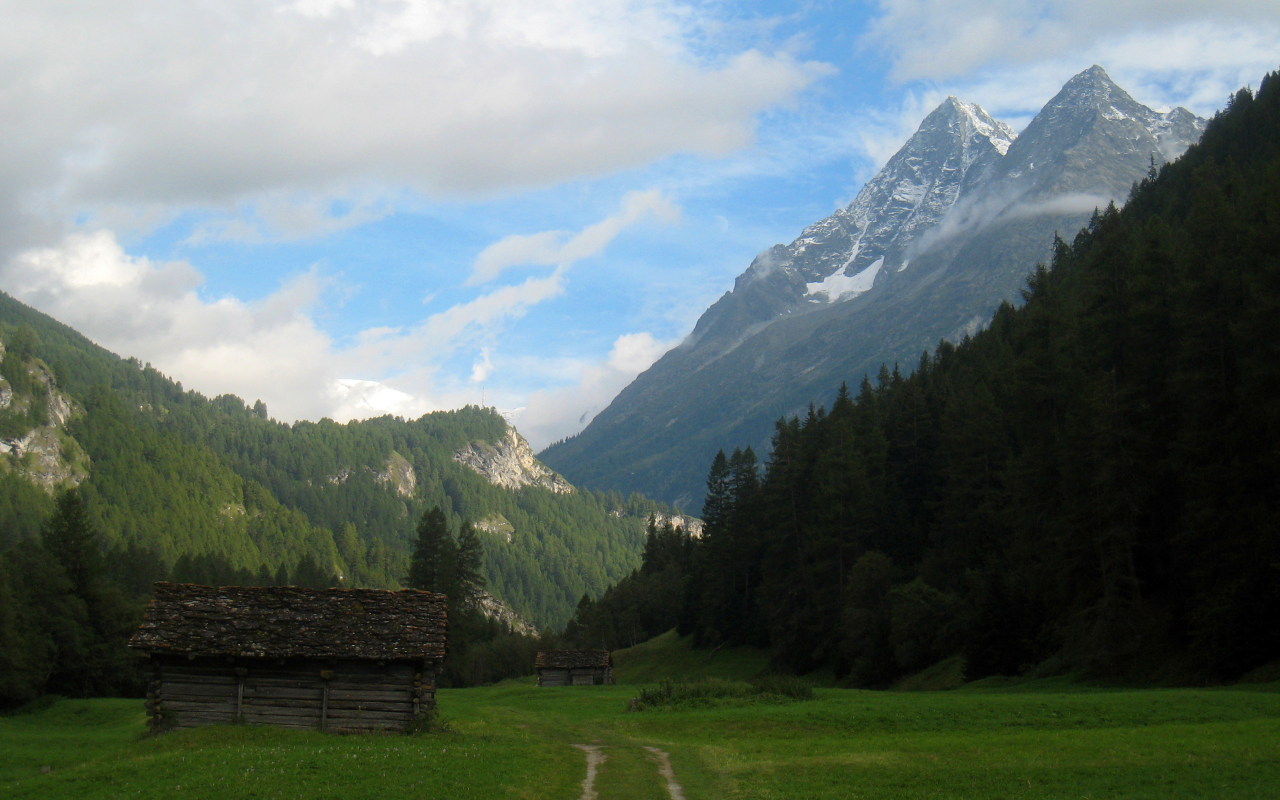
x=511 y=464
x=399 y=474
x=692 y=525
x=493 y=608
x=44 y=454
x=497 y=525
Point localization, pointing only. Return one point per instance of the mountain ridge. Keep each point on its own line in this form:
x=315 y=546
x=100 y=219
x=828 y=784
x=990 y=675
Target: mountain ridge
x=186 y=479
x=947 y=230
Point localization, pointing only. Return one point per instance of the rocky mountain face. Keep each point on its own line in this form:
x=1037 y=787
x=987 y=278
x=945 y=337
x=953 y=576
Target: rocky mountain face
x=944 y=233
x=34 y=442
x=511 y=464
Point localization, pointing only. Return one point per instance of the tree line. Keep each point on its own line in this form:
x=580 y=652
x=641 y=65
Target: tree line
x=1089 y=484
x=68 y=605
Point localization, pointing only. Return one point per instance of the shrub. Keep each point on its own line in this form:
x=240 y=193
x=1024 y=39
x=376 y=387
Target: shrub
x=707 y=692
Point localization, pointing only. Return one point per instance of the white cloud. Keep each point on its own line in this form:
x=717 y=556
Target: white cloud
x=946 y=39
x=546 y=249
x=269 y=350
x=273 y=350
x=242 y=109
x=1162 y=60
x=360 y=399
x=133 y=306
x=553 y=414
x=483 y=366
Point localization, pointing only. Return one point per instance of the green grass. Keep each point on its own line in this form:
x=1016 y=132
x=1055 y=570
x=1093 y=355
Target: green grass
x=1040 y=739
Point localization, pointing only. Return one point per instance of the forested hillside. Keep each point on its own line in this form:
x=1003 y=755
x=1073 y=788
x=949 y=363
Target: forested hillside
x=1091 y=483
x=217 y=491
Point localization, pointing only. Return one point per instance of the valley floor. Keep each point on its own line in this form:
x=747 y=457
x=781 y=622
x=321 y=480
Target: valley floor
x=514 y=740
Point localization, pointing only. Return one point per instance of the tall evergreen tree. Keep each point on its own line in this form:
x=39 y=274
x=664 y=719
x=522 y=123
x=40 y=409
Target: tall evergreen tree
x=434 y=554
x=468 y=570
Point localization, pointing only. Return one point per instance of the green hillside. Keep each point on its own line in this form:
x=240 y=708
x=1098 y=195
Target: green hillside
x=172 y=474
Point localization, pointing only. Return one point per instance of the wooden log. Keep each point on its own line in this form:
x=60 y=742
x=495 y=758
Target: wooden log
x=355 y=677
x=309 y=693
x=300 y=721
x=282 y=702
x=336 y=694
x=199 y=698
x=254 y=679
x=348 y=713
x=347 y=705
x=228 y=690
x=185 y=677
x=179 y=707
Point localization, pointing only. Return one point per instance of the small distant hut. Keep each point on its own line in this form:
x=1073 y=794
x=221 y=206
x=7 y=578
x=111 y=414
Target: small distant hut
x=574 y=667
x=332 y=659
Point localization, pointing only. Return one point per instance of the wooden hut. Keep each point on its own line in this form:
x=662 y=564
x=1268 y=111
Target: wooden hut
x=574 y=667
x=329 y=659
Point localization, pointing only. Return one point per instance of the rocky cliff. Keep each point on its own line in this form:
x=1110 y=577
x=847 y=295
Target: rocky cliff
x=511 y=464
x=34 y=442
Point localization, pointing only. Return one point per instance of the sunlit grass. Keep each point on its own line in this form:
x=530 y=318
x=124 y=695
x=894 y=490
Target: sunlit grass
x=514 y=740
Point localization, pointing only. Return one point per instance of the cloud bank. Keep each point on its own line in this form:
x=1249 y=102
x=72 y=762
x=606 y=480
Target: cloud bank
x=273 y=350
x=144 y=107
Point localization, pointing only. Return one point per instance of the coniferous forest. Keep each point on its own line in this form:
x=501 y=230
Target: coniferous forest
x=1091 y=483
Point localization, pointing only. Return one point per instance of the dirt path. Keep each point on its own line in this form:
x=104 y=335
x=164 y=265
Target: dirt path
x=594 y=759
x=664 y=769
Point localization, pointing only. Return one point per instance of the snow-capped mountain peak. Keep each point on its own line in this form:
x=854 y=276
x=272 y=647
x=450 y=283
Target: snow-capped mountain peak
x=842 y=256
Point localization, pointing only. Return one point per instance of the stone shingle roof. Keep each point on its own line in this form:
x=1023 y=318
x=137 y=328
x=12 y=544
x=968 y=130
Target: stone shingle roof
x=289 y=622
x=572 y=659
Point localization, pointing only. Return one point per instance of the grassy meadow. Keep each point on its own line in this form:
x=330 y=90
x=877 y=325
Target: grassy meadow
x=1039 y=739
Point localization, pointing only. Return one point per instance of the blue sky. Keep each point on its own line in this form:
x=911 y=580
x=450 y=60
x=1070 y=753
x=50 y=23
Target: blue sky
x=347 y=208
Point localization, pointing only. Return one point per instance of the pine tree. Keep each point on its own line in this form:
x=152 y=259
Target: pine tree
x=468 y=573
x=70 y=537
x=434 y=554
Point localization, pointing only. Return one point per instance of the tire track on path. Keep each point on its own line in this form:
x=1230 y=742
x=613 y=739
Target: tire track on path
x=664 y=769
x=594 y=759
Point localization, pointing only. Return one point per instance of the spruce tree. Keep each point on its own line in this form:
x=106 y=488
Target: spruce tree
x=434 y=554
x=468 y=573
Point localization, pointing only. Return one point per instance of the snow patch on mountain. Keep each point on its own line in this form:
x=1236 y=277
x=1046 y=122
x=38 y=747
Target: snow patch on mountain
x=839 y=286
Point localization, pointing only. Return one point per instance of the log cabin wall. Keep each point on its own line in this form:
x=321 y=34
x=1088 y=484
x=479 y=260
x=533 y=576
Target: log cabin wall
x=597 y=676
x=343 y=660
x=574 y=667
x=341 y=696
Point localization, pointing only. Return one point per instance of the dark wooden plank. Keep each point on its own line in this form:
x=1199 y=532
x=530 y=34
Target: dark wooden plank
x=281 y=702
x=297 y=726
x=198 y=712
x=188 y=677
x=347 y=692
x=283 y=719
x=180 y=705
x=296 y=693
x=338 y=694
x=283 y=683
x=348 y=677
x=348 y=705
x=222 y=699
x=380 y=719
x=204 y=689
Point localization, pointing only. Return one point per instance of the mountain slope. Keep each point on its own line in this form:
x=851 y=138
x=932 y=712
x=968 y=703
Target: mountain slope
x=176 y=474
x=944 y=233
